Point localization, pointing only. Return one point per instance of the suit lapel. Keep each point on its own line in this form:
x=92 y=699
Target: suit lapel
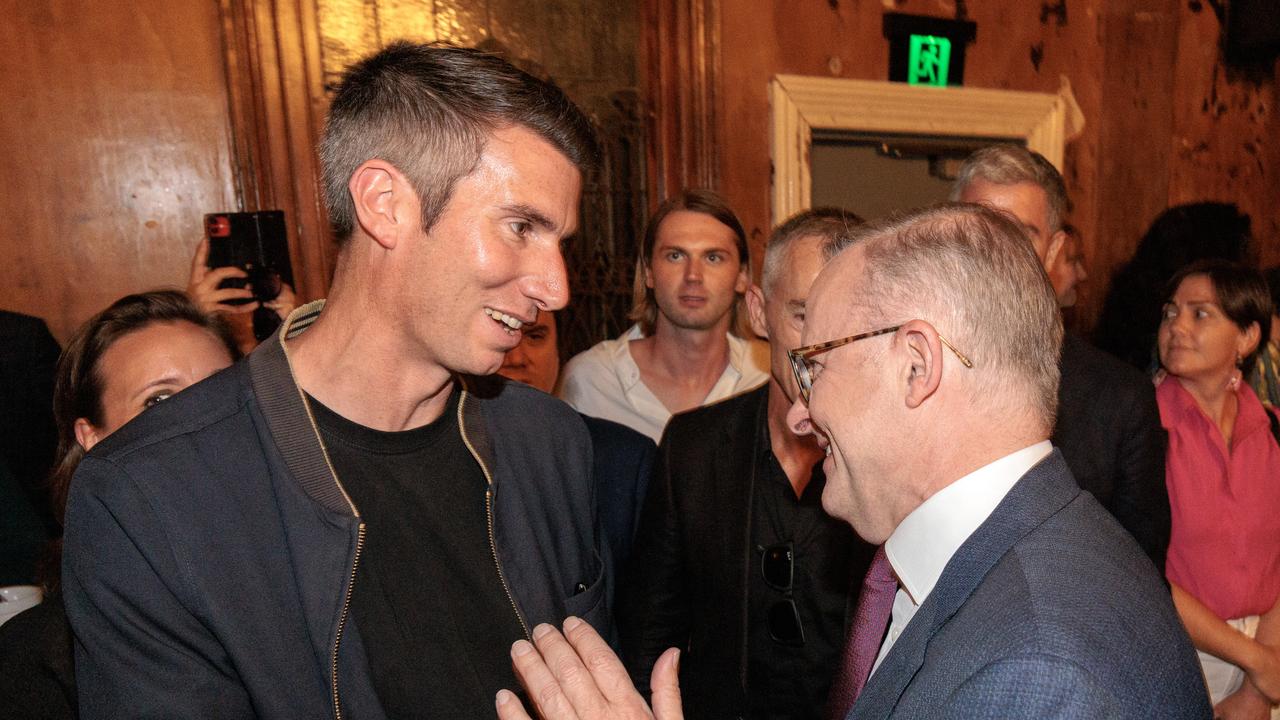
x=735 y=476
x=1039 y=494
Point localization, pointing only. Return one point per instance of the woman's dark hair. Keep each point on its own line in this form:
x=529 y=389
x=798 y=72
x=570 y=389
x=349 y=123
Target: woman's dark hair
x=1242 y=295
x=1180 y=236
x=78 y=387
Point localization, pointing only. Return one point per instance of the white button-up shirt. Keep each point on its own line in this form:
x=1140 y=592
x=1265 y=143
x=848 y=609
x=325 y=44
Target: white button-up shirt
x=604 y=381
x=923 y=543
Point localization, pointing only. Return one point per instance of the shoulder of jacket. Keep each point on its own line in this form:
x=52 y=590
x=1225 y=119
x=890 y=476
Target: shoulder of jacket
x=212 y=401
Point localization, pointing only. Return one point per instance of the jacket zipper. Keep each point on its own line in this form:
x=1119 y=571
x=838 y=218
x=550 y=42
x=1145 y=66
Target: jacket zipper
x=355 y=562
x=488 y=509
x=342 y=620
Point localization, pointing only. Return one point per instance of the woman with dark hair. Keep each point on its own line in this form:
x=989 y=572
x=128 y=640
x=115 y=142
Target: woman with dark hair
x=1223 y=477
x=125 y=359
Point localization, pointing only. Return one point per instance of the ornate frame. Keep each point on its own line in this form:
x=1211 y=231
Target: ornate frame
x=798 y=104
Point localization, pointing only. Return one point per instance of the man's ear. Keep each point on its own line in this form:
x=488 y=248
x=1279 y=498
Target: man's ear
x=86 y=434
x=744 y=280
x=924 y=351
x=1053 y=253
x=755 y=311
x=382 y=197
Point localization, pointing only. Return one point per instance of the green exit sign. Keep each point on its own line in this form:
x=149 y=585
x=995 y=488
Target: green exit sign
x=927 y=50
x=929 y=60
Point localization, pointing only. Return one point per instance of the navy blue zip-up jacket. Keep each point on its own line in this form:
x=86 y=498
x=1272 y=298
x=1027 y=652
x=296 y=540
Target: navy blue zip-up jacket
x=210 y=549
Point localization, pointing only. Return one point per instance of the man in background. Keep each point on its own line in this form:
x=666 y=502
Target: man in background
x=1108 y=424
x=693 y=271
x=738 y=561
x=622 y=458
x=1068 y=271
x=28 y=438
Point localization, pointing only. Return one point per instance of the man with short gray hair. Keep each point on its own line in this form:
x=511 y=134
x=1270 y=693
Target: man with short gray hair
x=1108 y=423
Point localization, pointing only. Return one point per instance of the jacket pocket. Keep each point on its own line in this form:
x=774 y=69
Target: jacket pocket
x=589 y=603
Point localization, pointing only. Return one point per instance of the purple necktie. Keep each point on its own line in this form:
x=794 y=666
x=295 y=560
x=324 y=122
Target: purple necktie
x=875 y=607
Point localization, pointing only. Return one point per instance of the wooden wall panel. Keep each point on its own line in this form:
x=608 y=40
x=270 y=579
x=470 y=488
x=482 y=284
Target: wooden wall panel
x=681 y=56
x=116 y=139
x=1131 y=172
x=278 y=104
x=1226 y=130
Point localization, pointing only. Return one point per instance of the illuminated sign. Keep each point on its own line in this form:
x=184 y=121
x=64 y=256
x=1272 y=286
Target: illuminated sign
x=927 y=50
x=929 y=61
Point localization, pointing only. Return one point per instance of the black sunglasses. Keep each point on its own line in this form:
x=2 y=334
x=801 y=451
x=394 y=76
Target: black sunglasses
x=777 y=567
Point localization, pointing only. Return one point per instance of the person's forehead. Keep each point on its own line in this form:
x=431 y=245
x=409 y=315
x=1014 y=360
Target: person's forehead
x=1024 y=200
x=800 y=263
x=1196 y=288
x=831 y=306
x=538 y=178
x=688 y=227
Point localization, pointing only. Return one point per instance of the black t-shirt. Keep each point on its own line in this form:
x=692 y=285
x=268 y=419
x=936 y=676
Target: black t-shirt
x=788 y=679
x=433 y=615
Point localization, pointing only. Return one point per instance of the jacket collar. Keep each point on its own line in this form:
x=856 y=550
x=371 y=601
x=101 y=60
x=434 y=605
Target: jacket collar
x=1038 y=495
x=292 y=426
x=289 y=418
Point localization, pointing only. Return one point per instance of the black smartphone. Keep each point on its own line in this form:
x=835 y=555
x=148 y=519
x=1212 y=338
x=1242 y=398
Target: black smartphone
x=255 y=242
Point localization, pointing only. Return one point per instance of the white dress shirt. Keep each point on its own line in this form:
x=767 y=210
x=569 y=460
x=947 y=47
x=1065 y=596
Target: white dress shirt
x=923 y=543
x=604 y=381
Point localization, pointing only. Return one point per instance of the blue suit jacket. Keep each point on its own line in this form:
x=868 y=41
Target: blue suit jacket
x=622 y=462
x=1048 y=610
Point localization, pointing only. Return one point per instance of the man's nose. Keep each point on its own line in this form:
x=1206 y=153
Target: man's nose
x=693 y=270
x=548 y=283
x=798 y=418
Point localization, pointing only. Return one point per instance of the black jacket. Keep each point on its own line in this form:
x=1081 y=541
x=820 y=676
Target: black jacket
x=1110 y=434
x=210 y=549
x=686 y=585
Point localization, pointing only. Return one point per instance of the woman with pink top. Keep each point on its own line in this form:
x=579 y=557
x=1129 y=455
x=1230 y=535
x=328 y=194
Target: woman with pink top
x=1224 y=484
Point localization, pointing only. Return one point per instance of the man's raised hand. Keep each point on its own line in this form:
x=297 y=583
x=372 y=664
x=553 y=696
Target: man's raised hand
x=576 y=676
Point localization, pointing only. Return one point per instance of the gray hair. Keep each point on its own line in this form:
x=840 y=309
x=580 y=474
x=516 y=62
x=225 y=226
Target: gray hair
x=825 y=223
x=1013 y=164
x=429 y=110
x=969 y=269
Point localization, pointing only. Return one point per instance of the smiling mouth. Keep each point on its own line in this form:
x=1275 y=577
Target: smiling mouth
x=512 y=324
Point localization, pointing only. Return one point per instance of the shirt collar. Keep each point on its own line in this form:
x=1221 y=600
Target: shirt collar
x=1250 y=415
x=924 y=542
x=629 y=372
x=737 y=355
